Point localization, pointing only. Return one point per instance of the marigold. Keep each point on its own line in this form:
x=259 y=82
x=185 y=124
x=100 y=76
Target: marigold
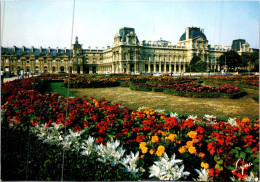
x=160 y=150
x=155 y=139
x=142 y=144
x=171 y=137
x=192 y=134
x=204 y=165
x=144 y=150
x=151 y=151
x=189 y=143
x=192 y=150
x=182 y=149
x=201 y=154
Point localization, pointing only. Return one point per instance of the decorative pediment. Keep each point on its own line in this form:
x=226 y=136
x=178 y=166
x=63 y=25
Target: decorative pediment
x=200 y=39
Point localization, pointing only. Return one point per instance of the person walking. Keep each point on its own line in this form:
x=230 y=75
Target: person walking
x=18 y=74
x=2 y=76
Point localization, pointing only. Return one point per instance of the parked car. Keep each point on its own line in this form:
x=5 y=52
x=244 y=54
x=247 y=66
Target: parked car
x=247 y=73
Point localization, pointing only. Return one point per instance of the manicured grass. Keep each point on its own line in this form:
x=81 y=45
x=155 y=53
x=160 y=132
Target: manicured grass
x=60 y=89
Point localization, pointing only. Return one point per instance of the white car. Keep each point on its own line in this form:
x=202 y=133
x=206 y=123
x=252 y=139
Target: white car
x=158 y=74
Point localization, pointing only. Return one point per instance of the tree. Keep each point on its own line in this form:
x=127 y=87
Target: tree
x=196 y=65
x=245 y=60
x=231 y=58
x=255 y=60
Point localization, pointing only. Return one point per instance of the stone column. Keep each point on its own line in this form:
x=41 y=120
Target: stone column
x=179 y=67
x=175 y=67
x=160 y=67
x=149 y=67
x=165 y=67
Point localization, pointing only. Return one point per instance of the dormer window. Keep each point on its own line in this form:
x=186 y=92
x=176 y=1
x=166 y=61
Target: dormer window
x=53 y=61
x=61 y=61
x=28 y=61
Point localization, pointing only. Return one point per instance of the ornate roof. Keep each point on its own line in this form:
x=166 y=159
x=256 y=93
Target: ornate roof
x=194 y=32
x=35 y=51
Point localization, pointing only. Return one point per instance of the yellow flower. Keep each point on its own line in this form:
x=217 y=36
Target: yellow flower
x=201 y=154
x=151 y=151
x=142 y=144
x=192 y=134
x=182 y=149
x=204 y=165
x=144 y=150
x=160 y=150
x=171 y=137
x=189 y=144
x=192 y=150
x=155 y=139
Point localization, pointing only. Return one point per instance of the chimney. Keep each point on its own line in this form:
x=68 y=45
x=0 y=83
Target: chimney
x=202 y=30
x=23 y=48
x=108 y=47
x=65 y=50
x=32 y=48
x=49 y=49
x=187 y=30
x=41 y=49
x=14 y=48
x=57 y=49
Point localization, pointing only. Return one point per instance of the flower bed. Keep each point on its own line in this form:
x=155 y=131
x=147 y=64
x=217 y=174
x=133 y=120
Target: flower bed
x=141 y=142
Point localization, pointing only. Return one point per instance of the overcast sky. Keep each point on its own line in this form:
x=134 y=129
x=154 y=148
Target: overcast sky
x=49 y=23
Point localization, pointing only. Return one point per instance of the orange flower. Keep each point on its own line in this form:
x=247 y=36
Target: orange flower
x=142 y=156
x=144 y=150
x=189 y=143
x=192 y=150
x=151 y=151
x=192 y=134
x=171 y=137
x=204 y=165
x=160 y=150
x=155 y=139
x=142 y=144
x=201 y=154
x=182 y=149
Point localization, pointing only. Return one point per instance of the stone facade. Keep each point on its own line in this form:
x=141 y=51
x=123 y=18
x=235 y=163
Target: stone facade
x=126 y=55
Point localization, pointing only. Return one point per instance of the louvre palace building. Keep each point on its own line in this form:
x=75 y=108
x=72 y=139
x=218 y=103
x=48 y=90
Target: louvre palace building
x=126 y=55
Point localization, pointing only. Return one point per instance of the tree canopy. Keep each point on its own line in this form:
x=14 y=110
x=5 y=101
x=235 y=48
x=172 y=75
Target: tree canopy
x=231 y=58
x=197 y=65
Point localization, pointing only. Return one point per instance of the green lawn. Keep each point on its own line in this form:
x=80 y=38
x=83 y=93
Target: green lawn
x=60 y=89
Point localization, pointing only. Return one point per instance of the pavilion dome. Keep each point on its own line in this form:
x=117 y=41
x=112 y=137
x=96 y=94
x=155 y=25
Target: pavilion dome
x=193 y=33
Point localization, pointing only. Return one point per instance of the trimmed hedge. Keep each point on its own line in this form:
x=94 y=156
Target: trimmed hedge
x=140 y=88
x=205 y=95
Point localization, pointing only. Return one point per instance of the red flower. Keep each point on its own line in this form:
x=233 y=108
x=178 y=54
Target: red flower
x=124 y=131
x=170 y=123
x=139 y=138
x=77 y=129
x=99 y=140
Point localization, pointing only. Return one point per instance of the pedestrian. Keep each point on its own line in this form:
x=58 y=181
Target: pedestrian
x=18 y=74
x=22 y=74
x=2 y=76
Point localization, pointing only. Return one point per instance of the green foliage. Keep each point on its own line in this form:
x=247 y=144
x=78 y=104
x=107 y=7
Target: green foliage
x=45 y=162
x=231 y=58
x=197 y=65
